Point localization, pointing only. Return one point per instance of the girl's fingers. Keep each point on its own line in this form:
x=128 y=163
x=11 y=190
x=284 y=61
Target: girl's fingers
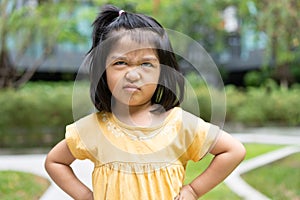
x=177 y=197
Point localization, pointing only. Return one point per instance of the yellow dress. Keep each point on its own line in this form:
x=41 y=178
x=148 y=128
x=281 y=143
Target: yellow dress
x=139 y=162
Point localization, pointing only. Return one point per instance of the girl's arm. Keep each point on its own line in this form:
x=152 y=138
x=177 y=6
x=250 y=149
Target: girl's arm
x=228 y=152
x=57 y=165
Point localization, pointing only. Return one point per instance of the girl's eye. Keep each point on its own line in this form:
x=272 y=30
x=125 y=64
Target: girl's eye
x=120 y=63
x=146 y=65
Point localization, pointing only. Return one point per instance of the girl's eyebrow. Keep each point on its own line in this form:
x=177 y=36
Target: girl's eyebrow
x=149 y=58
x=146 y=58
x=118 y=57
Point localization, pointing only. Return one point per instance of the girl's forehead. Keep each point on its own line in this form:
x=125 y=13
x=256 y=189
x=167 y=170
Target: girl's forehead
x=126 y=44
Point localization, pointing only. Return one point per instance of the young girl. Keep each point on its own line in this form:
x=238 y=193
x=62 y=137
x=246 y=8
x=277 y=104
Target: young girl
x=140 y=140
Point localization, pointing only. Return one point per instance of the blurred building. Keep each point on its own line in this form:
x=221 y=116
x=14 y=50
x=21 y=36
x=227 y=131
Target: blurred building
x=244 y=52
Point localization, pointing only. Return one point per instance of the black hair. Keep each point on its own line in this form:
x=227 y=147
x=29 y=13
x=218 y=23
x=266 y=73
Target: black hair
x=170 y=90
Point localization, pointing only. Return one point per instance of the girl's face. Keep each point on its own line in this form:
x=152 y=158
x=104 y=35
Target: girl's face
x=132 y=72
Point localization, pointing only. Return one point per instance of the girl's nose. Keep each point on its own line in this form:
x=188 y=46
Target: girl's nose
x=132 y=75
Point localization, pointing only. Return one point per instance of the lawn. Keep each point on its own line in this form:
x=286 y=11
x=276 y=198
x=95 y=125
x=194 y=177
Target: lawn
x=282 y=175
x=222 y=191
x=19 y=185
x=219 y=192
x=279 y=180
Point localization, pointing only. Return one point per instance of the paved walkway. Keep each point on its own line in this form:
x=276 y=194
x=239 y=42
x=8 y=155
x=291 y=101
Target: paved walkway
x=35 y=163
x=237 y=184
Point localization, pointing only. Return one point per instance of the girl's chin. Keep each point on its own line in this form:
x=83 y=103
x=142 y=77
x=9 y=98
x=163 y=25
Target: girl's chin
x=132 y=103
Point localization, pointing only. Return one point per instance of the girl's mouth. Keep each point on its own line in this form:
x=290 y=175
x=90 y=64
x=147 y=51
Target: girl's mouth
x=131 y=88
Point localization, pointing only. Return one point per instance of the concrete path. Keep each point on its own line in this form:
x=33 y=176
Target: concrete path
x=83 y=169
x=237 y=184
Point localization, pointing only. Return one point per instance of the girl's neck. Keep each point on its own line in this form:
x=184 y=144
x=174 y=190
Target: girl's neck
x=137 y=115
x=133 y=115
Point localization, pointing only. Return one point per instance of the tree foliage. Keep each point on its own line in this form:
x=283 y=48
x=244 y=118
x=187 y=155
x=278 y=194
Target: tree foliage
x=200 y=20
x=32 y=29
x=280 y=21
x=41 y=26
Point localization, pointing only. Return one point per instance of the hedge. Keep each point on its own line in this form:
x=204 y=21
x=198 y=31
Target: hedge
x=36 y=115
x=266 y=105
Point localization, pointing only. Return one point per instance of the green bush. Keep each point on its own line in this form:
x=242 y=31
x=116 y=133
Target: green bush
x=251 y=111
x=204 y=103
x=253 y=78
x=35 y=115
x=264 y=106
x=268 y=104
x=284 y=106
x=209 y=100
x=234 y=101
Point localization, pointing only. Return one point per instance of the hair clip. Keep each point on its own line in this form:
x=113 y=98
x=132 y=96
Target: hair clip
x=121 y=12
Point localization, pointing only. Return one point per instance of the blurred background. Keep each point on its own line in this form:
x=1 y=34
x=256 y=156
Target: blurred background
x=254 y=43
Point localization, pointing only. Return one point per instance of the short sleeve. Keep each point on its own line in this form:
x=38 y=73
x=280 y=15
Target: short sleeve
x=75 y=144
x=206 y=136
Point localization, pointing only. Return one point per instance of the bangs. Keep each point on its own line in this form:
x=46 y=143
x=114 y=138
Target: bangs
x=144 y=37
x=131 y=40
x=138 y=38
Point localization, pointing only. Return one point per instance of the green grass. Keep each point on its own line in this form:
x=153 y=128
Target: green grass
x=279 y=180
x=19 y=185
x=254 y=150
x=219 y=192
x=222 y=191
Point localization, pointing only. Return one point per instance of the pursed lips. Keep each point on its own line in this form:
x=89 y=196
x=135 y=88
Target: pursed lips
x=131 y=87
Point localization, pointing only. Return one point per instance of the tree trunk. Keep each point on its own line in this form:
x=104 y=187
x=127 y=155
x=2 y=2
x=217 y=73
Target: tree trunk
x=284 y=75
x=7 y=70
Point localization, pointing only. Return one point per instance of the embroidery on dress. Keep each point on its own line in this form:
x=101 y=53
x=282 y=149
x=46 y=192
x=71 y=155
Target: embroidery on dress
x=111 y=126
x=119 y=132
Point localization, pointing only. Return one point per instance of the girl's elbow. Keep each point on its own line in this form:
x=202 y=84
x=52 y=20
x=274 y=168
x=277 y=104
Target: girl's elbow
x=241 y=151
x=47 y=163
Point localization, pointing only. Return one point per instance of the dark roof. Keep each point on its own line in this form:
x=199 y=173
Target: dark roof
x=254 y=60
x=59 y=61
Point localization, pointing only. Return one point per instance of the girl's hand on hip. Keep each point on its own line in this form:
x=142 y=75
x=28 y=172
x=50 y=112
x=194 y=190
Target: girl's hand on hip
x=186 y=193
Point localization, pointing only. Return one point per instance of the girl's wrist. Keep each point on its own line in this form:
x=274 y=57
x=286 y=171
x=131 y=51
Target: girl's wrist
x=187 y=192
x=193 y=191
